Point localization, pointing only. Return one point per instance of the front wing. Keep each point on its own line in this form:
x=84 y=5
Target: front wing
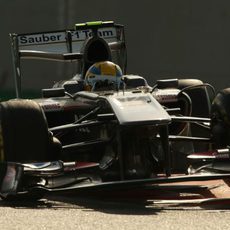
x=60 y=180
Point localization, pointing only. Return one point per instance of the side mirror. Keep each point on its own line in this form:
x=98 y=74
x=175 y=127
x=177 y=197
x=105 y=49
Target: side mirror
x=53 y=92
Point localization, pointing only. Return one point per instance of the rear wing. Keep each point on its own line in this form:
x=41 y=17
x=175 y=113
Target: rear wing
x=64 y=45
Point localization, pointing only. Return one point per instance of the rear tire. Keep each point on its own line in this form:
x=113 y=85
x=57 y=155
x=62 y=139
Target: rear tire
x=220 y=119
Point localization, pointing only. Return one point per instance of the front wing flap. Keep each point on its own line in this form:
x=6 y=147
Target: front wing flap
x=128 y=184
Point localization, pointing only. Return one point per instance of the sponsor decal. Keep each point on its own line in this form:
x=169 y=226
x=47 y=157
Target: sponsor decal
x=132 y=101
x=84 y=34
x=222 y=156
x=57 y=37
x=41 y=38
x=51 y=106
x=166 y=96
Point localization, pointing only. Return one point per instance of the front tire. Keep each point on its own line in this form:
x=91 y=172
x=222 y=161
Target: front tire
x=24 y=138
x=24 y=134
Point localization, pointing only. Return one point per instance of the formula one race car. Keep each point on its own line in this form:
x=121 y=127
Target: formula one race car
x=103 y=128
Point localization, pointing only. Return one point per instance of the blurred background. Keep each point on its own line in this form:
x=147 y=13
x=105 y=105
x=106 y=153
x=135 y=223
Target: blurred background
x=165 y=38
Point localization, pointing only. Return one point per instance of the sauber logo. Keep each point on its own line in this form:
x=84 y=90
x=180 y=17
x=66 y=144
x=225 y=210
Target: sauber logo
x=41 y=38
x=77 y=35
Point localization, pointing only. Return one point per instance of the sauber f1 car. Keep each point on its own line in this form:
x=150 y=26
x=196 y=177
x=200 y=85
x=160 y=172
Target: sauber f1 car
x=104 y=128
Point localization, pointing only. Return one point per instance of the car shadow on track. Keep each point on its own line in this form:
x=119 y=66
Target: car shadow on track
x=116 y=204
x=87 y=203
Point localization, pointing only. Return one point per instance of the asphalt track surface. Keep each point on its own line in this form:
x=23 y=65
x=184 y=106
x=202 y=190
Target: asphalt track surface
x=71 y=211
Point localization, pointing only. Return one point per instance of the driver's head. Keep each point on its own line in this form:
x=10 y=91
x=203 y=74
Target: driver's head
x=104 y=75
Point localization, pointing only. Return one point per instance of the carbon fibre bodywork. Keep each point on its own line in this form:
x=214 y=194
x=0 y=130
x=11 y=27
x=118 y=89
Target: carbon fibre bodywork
x=115 y=139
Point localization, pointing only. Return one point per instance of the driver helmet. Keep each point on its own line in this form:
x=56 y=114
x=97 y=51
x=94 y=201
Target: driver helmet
x=103 y=76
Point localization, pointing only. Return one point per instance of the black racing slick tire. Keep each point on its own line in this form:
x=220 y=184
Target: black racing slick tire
x=220 y=119
x=24 y=135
